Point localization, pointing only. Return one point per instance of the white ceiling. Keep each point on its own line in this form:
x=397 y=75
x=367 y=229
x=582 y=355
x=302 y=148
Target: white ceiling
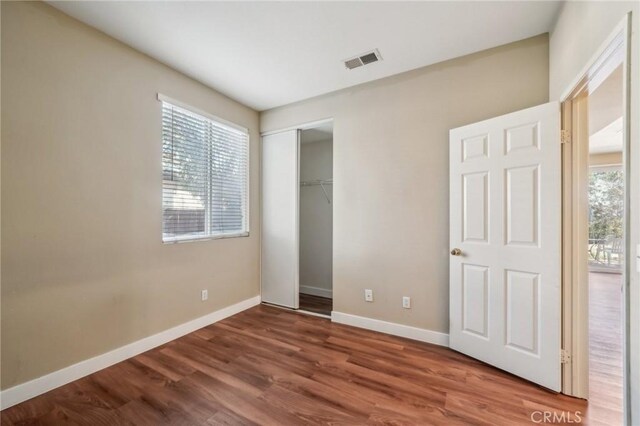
x=605 y=103
x=608 y=139
x=605 y=115
x=267 y=54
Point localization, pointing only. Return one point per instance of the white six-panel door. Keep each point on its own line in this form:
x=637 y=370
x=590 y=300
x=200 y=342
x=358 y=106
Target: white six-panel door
x=280 y=243
x=505 y=218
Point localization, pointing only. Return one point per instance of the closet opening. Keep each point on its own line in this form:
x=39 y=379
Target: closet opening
x=316 y=219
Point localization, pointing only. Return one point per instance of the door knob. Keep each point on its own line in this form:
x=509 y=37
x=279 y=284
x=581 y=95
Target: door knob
x=456 y=252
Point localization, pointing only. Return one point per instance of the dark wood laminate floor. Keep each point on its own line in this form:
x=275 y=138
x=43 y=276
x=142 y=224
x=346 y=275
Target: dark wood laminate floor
x=272 y=366
x=319 y=305
x=605 y=348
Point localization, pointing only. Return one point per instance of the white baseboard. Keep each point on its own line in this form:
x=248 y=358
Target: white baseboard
x=415 y=333
x=35 y=387
x=316 y=291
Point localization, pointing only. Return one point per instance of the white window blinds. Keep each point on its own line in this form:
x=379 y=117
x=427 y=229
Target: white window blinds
x=205 y=179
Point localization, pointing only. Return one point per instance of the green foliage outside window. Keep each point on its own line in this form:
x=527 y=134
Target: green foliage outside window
x=606 y=201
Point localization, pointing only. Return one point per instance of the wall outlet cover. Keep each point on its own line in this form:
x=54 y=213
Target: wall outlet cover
x=406 y=302
x=368 y=295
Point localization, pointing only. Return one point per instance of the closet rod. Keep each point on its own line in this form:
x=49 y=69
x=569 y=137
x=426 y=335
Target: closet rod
x=321 y=183
x=316 y=182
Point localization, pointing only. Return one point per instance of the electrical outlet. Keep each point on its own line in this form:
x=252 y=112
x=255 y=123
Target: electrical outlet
x=204 y=295
x=406 y=302
x=368 y=295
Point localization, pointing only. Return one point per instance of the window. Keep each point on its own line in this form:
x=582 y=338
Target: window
x=205 y=179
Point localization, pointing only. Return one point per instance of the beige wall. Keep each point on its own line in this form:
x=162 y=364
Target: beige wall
x=391 y=191
x=316 y=218
x=83 y=267
x=580 y=30
x=606 y=159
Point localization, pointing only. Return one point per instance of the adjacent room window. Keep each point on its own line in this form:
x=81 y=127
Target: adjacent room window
x=205 y=176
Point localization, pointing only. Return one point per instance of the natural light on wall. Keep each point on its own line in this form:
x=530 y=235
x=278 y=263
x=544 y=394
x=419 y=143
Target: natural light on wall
x=205 y=182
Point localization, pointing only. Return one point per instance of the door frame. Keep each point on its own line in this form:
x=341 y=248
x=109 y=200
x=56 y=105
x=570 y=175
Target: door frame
x=574 y=111
x=304 y=126
x=300 y=127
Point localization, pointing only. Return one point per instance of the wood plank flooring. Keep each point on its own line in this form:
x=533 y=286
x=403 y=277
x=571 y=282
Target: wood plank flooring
x=319 y=305
x=605 y=348
x=277 y=367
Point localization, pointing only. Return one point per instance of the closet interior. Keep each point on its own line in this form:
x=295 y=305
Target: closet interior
x=316 y=219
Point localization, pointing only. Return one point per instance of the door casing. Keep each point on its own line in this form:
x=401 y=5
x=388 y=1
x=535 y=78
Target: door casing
x=575 y=330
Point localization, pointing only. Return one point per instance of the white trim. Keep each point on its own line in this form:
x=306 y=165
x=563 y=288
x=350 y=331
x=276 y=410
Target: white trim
x=588 y=68
x=316 y=291
x=577 y=312
x=247 y=217
x=296 y=289
x=226 y=123
x=35 y=387
x=414 y=333
x=304 y=126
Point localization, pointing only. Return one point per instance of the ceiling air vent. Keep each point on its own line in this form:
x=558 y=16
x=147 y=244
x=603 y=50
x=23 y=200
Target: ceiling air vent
x=353 y=63
x=364 y=59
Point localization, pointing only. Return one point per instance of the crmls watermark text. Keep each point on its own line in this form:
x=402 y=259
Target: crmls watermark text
x=557 y=417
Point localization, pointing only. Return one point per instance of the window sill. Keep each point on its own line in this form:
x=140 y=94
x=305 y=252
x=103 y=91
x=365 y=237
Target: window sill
x=190 y=238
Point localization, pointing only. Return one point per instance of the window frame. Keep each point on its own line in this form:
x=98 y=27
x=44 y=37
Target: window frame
x=223 y=123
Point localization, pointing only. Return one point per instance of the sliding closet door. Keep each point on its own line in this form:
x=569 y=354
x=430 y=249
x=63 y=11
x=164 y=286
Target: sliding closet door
x=280 y=187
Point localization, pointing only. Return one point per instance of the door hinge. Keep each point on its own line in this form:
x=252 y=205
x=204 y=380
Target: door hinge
x=565 y=136
x=565 y=356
